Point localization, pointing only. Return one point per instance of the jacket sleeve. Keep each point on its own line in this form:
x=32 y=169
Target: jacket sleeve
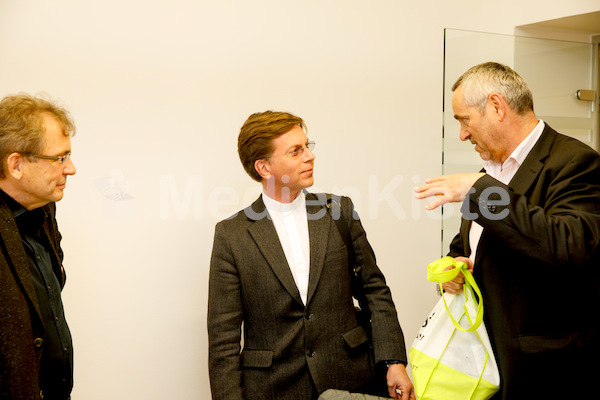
x=558 y=224
x=387 y=336
x=457 y=247
x=224 y=321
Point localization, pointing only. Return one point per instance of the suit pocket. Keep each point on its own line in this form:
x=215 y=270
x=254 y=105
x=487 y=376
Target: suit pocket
x=256 y=358
x=355 y=337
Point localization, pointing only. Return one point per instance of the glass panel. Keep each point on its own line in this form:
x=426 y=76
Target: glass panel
x=554 y=70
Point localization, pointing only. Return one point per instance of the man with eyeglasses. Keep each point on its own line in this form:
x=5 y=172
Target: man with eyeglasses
x=281 y=272
x=36 y=355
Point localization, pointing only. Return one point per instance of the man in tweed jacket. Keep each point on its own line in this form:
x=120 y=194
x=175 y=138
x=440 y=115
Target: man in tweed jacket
x=280 y=283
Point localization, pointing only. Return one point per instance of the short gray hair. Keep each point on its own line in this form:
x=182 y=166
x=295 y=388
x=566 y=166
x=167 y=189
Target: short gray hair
x=484 y=79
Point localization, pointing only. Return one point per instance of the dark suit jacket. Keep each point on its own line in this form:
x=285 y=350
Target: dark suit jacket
x=286 y=343
x=21 y=328
x=539 y=267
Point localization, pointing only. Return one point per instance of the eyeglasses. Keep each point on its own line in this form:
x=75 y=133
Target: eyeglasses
x=62 y=159
x=298 y=151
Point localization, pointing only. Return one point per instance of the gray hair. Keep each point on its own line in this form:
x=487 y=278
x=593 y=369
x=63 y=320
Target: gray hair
x=484 y=79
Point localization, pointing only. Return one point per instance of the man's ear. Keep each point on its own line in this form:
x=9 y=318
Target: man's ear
x=498 y=104
x=263 y=168
x=14 y=165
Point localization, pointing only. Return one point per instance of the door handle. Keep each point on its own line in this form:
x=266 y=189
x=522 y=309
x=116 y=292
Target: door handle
x=586 y=95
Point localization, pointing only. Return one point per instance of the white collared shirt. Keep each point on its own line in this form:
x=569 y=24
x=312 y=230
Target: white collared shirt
x=291 y=224
x=504 y=173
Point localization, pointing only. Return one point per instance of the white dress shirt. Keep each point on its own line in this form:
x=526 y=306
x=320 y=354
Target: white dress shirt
x=291 y=224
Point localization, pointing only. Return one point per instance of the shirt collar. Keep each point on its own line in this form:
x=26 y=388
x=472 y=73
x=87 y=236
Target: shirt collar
x=522 y=150
x=15 y=208
x=24 y=217
x=274 y=205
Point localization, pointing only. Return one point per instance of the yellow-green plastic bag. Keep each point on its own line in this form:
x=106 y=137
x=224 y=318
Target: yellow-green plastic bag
x=451 y=357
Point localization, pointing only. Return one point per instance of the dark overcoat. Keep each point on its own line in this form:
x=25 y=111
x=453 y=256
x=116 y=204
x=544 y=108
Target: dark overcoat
x=21 y=328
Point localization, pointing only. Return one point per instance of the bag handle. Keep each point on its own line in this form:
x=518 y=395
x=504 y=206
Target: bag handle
x=436 y=273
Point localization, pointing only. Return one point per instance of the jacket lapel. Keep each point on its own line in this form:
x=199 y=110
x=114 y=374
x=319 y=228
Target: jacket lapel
x=319 y=224
x=15 y=253
x=265 y=236
x=534 y=162
x=529 y=170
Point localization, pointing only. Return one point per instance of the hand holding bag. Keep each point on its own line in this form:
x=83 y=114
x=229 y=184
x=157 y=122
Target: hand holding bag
x=452 y=357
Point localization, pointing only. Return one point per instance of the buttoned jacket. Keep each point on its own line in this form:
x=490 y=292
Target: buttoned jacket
x=287 y=344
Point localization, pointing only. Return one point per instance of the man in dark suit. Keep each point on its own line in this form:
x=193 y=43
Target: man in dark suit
x=281 y=320
x=36 y=356
x=531 y=235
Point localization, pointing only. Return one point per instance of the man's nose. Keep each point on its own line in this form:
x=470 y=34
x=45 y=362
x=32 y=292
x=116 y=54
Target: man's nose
x=69 y=167
x=308 y=155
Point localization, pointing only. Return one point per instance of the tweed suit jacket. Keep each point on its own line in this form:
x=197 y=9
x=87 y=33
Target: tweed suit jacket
x=288 y=346
x=538 y=267
x=21 y=328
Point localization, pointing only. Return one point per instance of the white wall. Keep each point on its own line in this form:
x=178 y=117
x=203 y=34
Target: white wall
x=159 y=90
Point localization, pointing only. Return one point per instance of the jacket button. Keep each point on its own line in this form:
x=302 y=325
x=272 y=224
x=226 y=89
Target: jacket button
x=310 y=353
x=38 y=342
x=308 y=315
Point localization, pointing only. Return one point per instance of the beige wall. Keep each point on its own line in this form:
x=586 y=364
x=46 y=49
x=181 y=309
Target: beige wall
x=159 y=90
